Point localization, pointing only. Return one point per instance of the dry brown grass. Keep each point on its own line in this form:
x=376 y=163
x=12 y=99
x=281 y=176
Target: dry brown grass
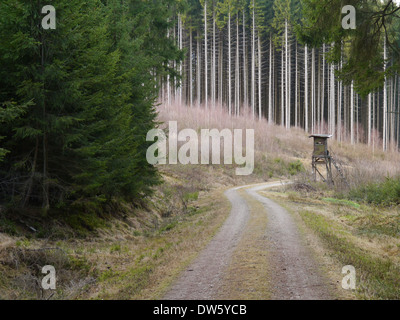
x=270 y=138
x=121 y=263
x=365 y=237
x=21 y=273
x=144 y=268
x=361 y=163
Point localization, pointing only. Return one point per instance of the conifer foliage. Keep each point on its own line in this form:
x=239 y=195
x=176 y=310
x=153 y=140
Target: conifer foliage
x=77 y=101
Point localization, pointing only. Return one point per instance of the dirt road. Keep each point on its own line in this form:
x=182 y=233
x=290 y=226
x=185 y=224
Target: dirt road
x=293 y=272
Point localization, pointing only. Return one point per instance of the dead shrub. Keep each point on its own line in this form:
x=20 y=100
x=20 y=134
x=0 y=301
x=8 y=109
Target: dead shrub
x=72 y=275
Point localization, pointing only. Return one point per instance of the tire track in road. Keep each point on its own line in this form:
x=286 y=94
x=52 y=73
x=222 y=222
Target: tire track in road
x=201 y=280
x=296 y=275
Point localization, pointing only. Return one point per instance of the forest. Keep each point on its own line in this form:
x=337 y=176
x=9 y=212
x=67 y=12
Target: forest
x=77 y=101
x=86 y=214
x=292 y=63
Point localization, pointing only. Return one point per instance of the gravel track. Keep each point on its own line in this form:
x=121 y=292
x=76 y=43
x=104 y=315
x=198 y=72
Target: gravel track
x=201 y=280
x=295 y=273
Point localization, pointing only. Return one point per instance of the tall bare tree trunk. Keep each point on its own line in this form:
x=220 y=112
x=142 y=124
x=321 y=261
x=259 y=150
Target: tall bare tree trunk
x=332 y=104
x=296 y=104
x=259 y=78
x=352 y=113
x=245 y=78
x=313 y=90
x=213 y=72
x=339 y=109
x=237 y=69
x=283 y=83
x=191 y=68
x=306 y=88
x=229 y=65
x=205 y=56
x=323 y=89
x=221 y=71
x=369 y=118
x=385 y=104
x=180 y=41
x=168 y=80
x=198 y=71
x=287 y=119
x=270 y=84
x=253 y=62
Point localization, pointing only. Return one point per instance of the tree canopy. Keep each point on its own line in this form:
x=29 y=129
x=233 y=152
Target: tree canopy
x=361 y=49
x=78 y=101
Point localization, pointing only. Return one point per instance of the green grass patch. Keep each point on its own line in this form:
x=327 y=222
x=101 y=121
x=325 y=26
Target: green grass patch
x=269 y=167
x=129 y=282
x=377 y=278
x=193 y=196
x=295 y=167
x=115 y=248
x=342 y=202
x=386 y=193
x=168 y=226
x=376 y=224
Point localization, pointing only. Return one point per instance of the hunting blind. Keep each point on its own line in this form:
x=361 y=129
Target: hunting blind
x=321 y=157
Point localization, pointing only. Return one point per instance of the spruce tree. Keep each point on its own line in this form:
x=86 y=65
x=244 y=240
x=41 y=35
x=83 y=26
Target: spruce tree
x=91 y=84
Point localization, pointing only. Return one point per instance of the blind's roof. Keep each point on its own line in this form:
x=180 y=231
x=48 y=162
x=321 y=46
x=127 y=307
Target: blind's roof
x=324 y=136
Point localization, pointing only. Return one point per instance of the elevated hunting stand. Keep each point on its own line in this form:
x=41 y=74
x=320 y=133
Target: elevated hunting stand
x=321 y=156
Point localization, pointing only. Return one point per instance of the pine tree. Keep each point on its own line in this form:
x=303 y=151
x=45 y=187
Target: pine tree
x=83 y=137
x=9 y=112
x=226 y=11
x=281 y=24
